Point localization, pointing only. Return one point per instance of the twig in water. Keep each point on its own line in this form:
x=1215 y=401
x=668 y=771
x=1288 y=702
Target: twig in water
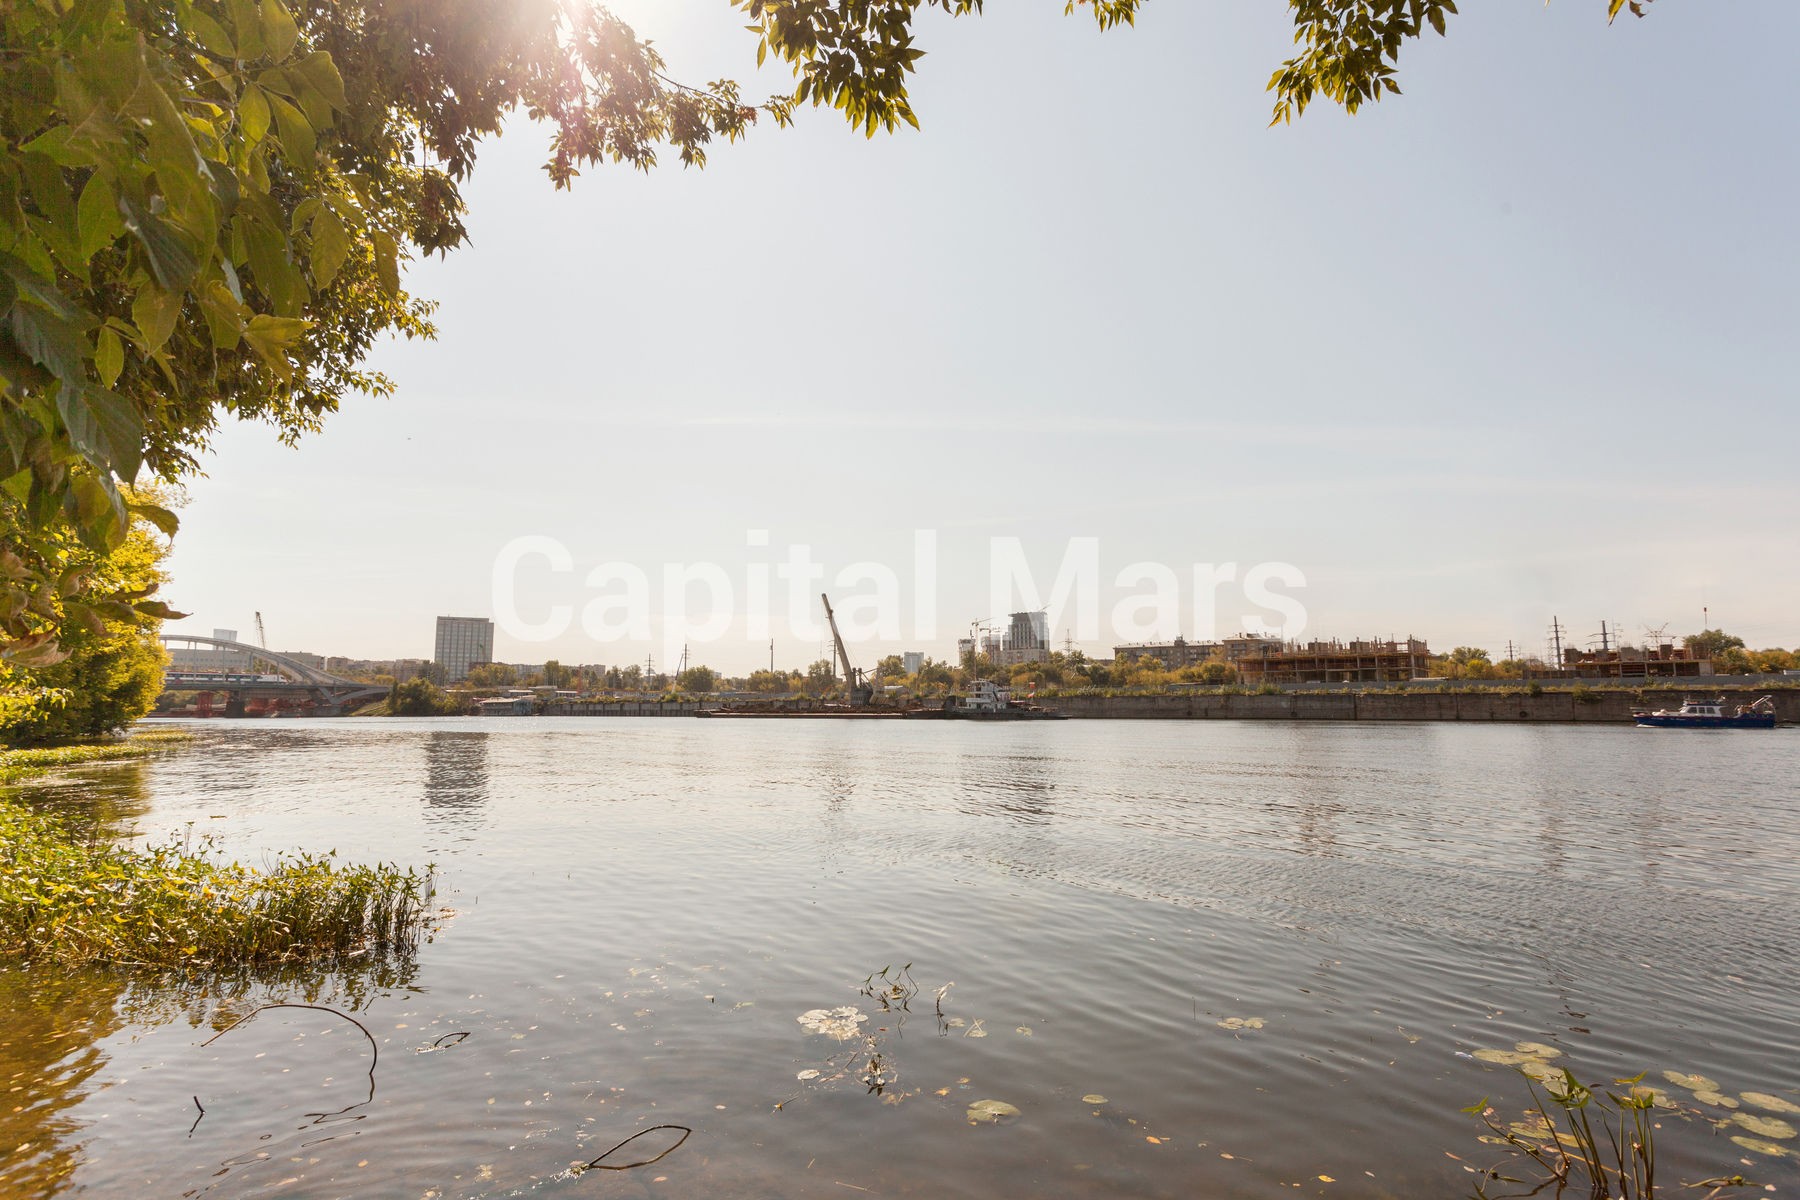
x=599 y=1164
x=197 y=1120
x=374 y=1049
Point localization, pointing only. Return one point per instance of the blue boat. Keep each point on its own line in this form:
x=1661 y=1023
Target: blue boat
x=1711 y=714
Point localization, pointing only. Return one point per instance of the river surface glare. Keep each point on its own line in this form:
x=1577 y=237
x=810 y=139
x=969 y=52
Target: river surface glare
x=1273 y=949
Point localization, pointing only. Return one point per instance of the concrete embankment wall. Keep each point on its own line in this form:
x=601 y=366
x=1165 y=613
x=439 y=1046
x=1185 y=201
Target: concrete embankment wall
x=629 y=708
x=1548 y=707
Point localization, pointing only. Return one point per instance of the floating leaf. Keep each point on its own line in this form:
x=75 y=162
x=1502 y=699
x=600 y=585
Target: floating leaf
x=1235 y=1023
x=1693 y=1083
x=808 y=1074
x=1093 y=1098
x=1772 y=1103
x=1503 y=1058
x=1023 y=1031
x=1761 y=1147
x=838 y=1023
x=1537 y=1050
x=1773 y=1127
x=992 y=1112
x=1716 y=1099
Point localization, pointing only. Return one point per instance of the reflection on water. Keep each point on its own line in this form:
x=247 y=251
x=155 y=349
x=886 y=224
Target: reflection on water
x=456 y=776
x=1272 y=949
x=49 y=1052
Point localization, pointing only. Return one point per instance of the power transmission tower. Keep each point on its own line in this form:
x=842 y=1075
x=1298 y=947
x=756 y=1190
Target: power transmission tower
x=1557 y=630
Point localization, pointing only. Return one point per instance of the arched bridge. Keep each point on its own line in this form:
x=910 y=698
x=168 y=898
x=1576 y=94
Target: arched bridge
x=275 y=684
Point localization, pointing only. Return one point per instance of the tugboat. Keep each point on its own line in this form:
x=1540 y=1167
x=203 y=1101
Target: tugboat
x=988 y=701
x=1711 y=714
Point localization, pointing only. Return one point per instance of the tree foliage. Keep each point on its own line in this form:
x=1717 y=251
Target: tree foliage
x=109 y=669
x=1350 y=49
x=697 y=681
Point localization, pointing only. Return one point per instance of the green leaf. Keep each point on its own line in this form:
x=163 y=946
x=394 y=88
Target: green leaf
x=50 y=341
x=156 y=608
x=104 y=427
x=387 y=260
x=271 y=337
x=248 y=22
x=155 y=312
x=298 y=143
x=97 y=215
x=172 y=259
x=279 y=31
x=208 y=32
x=318 y=71
x=157 y=515
x=109 y=356
x=253 y=114
x=330 y=246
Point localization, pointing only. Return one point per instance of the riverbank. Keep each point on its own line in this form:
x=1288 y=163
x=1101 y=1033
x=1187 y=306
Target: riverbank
x=21 y=764
x=1581 y=706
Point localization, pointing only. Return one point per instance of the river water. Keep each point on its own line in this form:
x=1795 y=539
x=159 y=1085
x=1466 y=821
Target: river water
x=1274 y=950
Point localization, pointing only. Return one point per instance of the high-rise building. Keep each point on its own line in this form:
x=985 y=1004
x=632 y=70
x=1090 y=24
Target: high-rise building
x=461 y=643
x=1027 y=640
x=911 y=661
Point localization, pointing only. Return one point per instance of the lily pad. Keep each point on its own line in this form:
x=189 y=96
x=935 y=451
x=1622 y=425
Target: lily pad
x=1539 y=1070
x=838 y=1023
x=1537 y=1050
x=1761 y=1147
x=1656 y=1095
x=992 y=1112
x=1770 y=1127
x=1503 y=1058
x=1716 y=1099
x=1235 y=1023
x=1770 y=1103
x=1693 y=1083
x=1093 y=1098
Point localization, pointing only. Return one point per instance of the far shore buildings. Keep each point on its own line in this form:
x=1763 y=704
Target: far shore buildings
x=1026 y=639
x=1182 y=653
x=461 y=643
x=1261 y=660
x=1338 y=662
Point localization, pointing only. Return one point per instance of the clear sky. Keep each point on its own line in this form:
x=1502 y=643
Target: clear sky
x=1517 y=344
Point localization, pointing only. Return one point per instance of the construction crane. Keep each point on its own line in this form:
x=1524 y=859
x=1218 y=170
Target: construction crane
x=262 y=639
x=860 y=691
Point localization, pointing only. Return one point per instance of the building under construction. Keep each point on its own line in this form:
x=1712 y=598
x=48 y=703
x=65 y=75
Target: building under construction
x=1665 y=661
x=1337 y=662
x=1182 y=653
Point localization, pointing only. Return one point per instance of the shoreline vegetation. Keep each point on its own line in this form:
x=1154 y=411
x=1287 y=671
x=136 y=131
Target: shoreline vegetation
x=71 y=897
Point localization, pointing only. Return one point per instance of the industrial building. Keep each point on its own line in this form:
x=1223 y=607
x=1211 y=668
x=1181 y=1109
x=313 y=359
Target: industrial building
x=461 y=643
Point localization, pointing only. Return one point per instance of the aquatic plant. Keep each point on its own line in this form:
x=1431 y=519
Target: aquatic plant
x=69 y=898
x=16 y=765
x=1603 y=1146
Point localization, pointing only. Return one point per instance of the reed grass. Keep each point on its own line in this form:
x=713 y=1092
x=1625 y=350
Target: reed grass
x=70 y=899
